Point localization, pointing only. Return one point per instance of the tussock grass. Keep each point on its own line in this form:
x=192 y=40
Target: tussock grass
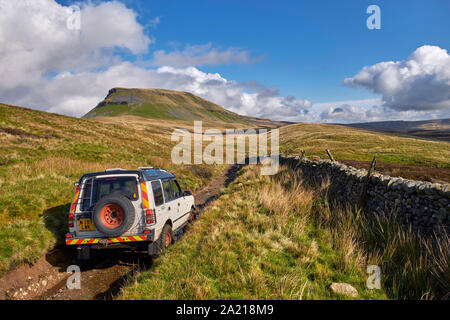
x=257 y=241
x=280 y=238
x=413 y=266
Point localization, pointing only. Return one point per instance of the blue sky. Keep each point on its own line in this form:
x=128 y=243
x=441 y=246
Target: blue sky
x=304 y=49
x=307 y=47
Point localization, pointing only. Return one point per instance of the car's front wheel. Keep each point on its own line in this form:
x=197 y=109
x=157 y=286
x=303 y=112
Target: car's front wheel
x=192 y=215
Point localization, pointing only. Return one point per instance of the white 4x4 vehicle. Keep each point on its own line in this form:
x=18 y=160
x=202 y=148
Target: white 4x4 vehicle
x=131 y=207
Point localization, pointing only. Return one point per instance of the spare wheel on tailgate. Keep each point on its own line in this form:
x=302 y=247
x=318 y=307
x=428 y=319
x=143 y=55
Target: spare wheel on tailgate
x=113 y=215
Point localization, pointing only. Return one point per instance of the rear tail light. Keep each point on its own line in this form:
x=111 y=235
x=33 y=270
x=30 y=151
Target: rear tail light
x=70 y=220
x=150 y=216
x=69 y=236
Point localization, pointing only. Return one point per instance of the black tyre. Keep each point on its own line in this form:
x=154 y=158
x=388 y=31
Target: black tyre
x=113 y=215
x=165 y=239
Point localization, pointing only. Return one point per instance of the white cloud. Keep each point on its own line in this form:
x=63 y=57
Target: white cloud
x=420 y=83
x=201 y=55
x=35 y=40
x=45 y=65
x=367 y=110
x=77 y=93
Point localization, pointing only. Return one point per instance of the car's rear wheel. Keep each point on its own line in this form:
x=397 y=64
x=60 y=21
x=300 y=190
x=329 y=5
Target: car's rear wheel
x=163 y=242
x=113 y=215
x=168 y=240
x=166 y=237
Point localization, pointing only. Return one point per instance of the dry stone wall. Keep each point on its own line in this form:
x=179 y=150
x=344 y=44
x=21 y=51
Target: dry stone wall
x=425 y=205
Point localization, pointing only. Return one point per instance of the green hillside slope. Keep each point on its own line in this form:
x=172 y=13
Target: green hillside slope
x=162 y=104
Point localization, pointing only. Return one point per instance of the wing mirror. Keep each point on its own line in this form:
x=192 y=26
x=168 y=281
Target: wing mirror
x=187 y=193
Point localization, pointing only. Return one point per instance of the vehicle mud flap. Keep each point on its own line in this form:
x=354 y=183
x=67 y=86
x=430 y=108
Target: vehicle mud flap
x=197 y=212
x=154 y=249
x=83 y=252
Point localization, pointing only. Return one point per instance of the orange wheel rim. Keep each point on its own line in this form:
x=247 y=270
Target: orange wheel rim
x=111 y=216
x=192 y=217
x=168 y=239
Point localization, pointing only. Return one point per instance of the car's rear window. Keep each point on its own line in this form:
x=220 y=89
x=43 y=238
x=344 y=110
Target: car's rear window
x=126 y=186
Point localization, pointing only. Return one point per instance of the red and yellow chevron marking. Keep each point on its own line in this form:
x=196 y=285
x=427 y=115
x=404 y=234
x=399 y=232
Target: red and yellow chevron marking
x=110 y=240
x=145 y=202
x=75 y=200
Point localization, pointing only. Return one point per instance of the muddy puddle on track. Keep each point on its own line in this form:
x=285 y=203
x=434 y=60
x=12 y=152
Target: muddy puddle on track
x=103 y=276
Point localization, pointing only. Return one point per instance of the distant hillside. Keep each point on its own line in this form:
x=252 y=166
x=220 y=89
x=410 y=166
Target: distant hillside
x=169 y=105
x=429 y=129
x=408 y=157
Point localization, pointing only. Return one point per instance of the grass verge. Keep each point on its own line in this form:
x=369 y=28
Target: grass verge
x=279 y=238
x=257 y=241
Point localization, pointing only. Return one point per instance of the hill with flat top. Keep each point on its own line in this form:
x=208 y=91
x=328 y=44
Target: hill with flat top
x=169 y=105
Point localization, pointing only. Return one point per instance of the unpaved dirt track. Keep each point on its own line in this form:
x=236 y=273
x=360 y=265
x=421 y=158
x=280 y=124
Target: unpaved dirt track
x=102 y=277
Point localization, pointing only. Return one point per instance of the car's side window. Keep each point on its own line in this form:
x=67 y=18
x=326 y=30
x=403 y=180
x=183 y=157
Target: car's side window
x=167 y=188
x=176 y=189
x=157 y=193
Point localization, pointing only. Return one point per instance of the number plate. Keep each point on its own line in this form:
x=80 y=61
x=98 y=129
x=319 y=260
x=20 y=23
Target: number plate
x=85 y=225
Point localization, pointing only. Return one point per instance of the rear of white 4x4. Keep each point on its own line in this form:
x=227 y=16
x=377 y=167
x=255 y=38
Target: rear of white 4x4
x=118 y=207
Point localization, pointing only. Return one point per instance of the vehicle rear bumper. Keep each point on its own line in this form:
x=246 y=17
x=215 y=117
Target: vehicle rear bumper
x=85 y=241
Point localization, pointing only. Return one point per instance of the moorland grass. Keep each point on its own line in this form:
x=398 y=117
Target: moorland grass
x=257 y=241
x=279 y=238
x=357 y=144
x=42 y=154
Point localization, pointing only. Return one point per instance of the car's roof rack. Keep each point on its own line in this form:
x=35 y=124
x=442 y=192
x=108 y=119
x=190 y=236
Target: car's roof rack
x=153 y=173
x=146 y=173
x=110 y=171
